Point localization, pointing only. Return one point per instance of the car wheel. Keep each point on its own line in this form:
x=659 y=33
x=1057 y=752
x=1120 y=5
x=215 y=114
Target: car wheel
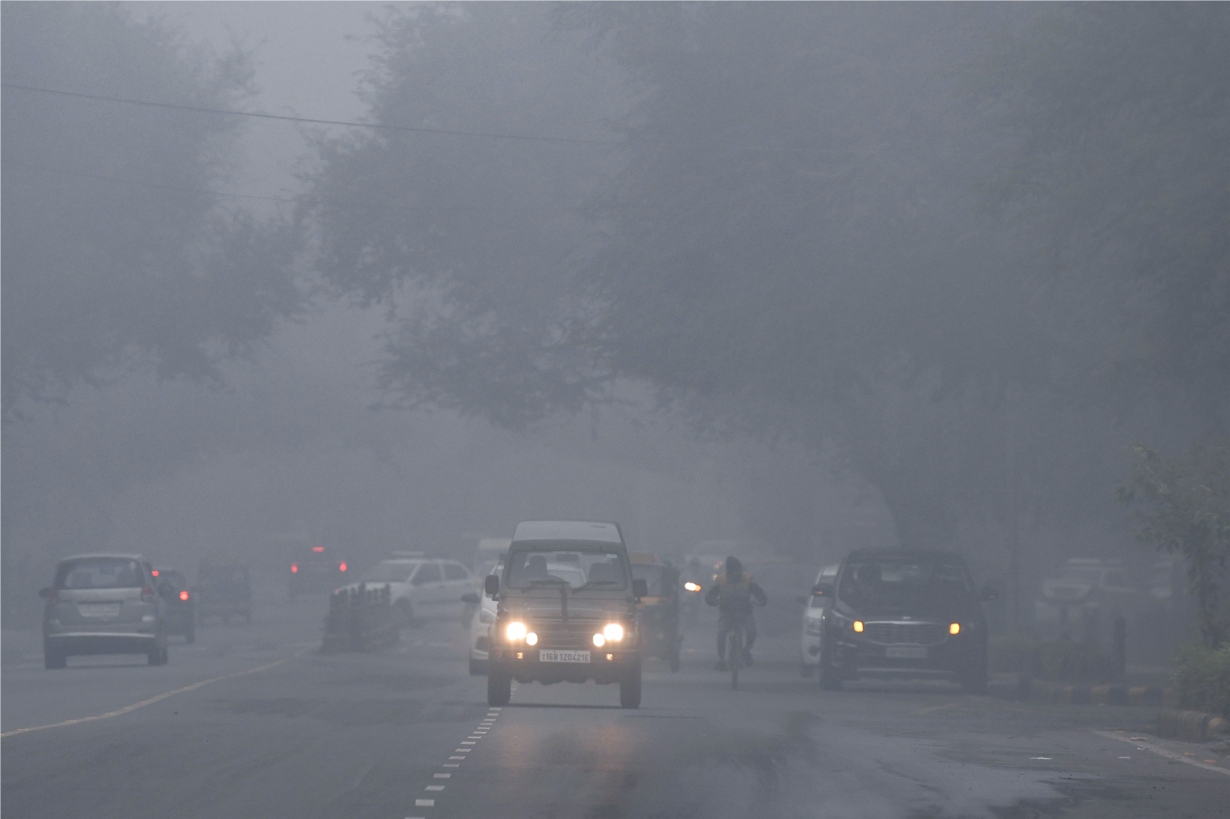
x=807 y=671
x=630 y=691
x=477 y=667
x=54 y=659
x=499 y=688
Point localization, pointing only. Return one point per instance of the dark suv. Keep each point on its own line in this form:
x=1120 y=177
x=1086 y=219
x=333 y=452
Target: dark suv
x=904 y=614
x=172 y=587
x=315 y=571
x=566 y=611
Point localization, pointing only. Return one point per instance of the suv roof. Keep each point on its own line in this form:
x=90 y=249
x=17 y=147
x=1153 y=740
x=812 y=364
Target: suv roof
x=568 y=530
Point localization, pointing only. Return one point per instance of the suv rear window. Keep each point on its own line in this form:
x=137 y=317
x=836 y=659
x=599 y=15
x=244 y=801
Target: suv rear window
x=100 y=573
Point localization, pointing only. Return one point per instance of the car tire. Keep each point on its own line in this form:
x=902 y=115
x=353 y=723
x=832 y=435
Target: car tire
x=54 y=659
x=807 y=671
x=477 y=667
x=499 y=688
x=630 y=691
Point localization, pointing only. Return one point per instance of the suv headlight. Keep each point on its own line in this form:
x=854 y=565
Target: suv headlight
x=515 y=631
x=613 y=632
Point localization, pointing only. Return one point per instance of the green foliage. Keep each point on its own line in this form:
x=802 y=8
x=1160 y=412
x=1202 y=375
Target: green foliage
x=1182 y=506
x=1202 y=678
x=1063 y=661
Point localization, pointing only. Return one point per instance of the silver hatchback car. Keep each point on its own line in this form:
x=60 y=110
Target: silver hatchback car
x=102 y=604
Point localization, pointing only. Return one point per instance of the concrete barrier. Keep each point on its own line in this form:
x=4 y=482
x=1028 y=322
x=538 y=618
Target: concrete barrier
x=359 y=619
x=1192 y=726
x=1024 y=687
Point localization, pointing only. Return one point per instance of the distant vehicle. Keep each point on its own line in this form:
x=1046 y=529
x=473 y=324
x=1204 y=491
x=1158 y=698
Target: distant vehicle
x=102 y=604
x=224 y=591
x=172 y=587
x=903 y=614
x=420 y=587
x=566 y=610
x=490 y=551
x=480 y=623
x=658 y=611
x=1085 y=592
x=315 y=571
x=813 y=607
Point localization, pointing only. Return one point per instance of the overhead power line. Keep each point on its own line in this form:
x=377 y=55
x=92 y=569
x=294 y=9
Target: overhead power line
x=311 y=120
x=380 y=126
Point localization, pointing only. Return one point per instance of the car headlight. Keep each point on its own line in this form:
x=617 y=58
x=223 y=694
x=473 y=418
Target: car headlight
x=515 y=631
x=692 y=587
x=599 y=640
x=613 y=631
x=531 y=639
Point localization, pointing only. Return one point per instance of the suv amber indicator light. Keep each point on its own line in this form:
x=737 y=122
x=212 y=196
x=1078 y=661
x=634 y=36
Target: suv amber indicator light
x=858 y=626
x=955 y=628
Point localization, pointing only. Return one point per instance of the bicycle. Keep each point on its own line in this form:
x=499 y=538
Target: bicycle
x=735 y=652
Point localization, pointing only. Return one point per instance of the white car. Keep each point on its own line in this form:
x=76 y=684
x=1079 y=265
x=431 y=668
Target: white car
x=813 y=607
x=421 y=587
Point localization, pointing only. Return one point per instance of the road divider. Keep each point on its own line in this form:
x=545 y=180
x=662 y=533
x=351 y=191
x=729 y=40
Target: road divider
x=1192 y=726
x=1023 y=687
x=359 y=619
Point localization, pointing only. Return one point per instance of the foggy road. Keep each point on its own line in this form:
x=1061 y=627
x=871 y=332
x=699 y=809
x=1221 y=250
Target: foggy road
x=407 y=733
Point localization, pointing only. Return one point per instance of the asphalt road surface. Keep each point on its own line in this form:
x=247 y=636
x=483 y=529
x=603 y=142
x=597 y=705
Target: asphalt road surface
x=277 y=730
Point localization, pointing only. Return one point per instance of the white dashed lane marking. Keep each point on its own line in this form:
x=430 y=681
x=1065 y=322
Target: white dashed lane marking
x=435 y=787
x=441 y=776
x=424 y=803
x=477 y=734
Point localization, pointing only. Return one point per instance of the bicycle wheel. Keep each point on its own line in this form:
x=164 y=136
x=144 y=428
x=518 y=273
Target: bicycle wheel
x=734 y=656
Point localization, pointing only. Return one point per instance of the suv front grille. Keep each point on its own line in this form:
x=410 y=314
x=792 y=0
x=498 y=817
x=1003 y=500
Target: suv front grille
x=926 y=634
x=572 y=634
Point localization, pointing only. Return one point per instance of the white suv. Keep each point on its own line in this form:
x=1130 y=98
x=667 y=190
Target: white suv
x=421 y=587
x=813 y=607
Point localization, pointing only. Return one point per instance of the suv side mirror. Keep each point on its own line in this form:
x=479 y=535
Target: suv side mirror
x=989 y=593
x=640 y=588
x=822 y=590
x=470 y=597
x=492 y=585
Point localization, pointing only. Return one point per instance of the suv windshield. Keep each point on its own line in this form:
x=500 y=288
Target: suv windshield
x=100 y=573
x=896 y=582
x=565 y=567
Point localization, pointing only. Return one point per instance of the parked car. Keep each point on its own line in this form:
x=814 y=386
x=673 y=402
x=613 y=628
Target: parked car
x=559 y=625
x=1084 y=594
x=658 y=612
x=813 y=607
x=421 y=587
x=102 y=604
x=484 y=611
x=224 y=590
x=904 y=614
x=172 y=587
x=315 y=570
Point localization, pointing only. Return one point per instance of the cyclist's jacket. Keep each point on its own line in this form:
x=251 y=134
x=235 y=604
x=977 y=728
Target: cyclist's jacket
x=735 y=598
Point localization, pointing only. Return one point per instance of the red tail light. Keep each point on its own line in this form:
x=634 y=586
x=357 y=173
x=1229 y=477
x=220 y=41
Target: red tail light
x=183 y=595
x=294 y=569
x=147 y=594
x=342 y=567
x=318 y=548
x=154 y=572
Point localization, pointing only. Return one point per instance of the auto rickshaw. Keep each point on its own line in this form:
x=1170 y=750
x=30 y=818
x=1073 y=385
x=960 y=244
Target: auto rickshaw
x=658 y=613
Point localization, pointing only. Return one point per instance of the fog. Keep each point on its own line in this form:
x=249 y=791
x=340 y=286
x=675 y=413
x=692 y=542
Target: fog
x=802 y=278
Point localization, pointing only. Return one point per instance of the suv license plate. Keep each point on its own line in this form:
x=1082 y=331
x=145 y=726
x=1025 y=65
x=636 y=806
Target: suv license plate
x=907 y=652
x=556 y=656
x=99 y=609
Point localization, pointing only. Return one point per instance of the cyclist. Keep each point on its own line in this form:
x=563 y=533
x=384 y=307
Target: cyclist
x=734 y=592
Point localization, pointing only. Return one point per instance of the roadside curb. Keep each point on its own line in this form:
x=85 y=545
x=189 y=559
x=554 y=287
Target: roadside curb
x=1192 y=726
x=1022 y=687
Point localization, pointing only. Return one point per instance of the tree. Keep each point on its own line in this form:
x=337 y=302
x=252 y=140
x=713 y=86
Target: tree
x=1183 y=507
x=114 y=253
